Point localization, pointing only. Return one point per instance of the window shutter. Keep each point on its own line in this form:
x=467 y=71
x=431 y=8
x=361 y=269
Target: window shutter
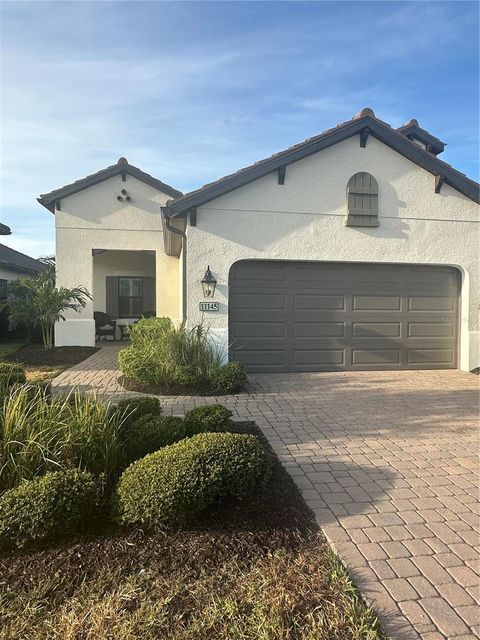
x=362 y=201
x=149 y=305
x=111 y=287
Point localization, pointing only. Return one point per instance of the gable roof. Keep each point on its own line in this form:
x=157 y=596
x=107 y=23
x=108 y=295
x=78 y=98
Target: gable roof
x=122 y=166
x=4 y=230
x=413 y=130
x=366 y=123
x=16 y=261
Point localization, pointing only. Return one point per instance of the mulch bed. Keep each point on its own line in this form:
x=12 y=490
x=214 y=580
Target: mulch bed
x=35 y=354
x=231 y=572
x=171 y=390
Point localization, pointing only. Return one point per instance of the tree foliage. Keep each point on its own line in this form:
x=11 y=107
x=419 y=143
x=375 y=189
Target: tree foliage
x=36 y=300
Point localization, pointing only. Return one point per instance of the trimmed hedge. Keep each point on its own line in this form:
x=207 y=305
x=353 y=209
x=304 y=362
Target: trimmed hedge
x=170 y=486
x=49 y=507
x=132 y=409
x=149 y=434
x=211 y=418
x=230 y=378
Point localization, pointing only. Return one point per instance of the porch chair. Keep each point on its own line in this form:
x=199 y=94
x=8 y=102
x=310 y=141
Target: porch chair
x=104 y=325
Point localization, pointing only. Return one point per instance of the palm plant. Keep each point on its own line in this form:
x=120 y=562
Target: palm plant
x=36 y=300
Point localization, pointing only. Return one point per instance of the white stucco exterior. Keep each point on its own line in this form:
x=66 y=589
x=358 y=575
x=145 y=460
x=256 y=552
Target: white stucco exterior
x=304 y=219
x=94 y=219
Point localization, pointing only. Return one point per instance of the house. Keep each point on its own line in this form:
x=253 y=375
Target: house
x=355 y=249
x=15 y=265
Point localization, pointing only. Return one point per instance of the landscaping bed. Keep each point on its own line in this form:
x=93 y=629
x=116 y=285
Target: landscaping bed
x=41 y=365
x=164 y=359
x=256 y=569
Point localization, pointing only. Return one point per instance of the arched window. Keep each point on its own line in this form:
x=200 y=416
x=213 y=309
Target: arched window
x=362 y=201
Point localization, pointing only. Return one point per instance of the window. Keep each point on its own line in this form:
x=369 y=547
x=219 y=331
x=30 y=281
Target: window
x=362 y=201
x=130 y=297
x=3 y=289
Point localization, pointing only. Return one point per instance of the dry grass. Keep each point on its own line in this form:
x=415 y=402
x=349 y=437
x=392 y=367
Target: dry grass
x=259 y=570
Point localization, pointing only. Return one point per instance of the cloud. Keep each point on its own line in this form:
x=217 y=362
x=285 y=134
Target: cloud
x=192 y=91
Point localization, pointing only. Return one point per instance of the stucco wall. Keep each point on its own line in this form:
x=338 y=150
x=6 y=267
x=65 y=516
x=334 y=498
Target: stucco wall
x=94 y=219
x=304 y=220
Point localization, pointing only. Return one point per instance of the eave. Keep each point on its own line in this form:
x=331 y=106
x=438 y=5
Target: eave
x=358 y=126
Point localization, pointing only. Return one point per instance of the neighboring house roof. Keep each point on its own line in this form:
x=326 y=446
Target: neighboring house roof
x=16 y=261
x=122 y=166
x=4 y=230
x=365 y=123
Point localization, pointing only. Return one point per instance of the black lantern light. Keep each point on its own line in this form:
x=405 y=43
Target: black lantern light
x=208 y=284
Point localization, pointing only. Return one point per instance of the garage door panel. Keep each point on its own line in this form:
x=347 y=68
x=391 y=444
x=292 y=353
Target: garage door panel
x=431 y=303
x=431 y=330
x=331 y=316
x=376 y=356
x=377 y=303
x=319 y=357
x=427 y=356
x=319 y=329
x=260 y=329
x=376 y=329
x=319 y=301
x=260 y=301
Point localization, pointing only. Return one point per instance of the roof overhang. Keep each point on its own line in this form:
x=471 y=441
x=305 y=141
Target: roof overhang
x=52 y=199
x=4 y=230
x=365 y=125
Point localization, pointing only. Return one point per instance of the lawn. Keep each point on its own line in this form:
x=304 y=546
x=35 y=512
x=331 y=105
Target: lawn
x=253 y=570
x=41 y=365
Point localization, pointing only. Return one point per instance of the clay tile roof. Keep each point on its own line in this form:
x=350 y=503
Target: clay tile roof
x=364 y=120
x=122 y=165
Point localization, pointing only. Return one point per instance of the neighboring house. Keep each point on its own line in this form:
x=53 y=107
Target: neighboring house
x=15 y=265
x=356 y=249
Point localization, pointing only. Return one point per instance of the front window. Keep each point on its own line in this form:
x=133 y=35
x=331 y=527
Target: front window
x=130 y=297
x=3 y=289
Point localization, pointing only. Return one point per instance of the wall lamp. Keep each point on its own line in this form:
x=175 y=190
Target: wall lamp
x=208 y=284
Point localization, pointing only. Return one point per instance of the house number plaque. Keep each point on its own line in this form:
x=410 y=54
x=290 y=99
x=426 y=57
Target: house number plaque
x=208 y=306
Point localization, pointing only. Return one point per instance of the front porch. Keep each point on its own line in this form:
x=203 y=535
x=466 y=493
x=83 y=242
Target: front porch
x=124 y=290
x=126 y=285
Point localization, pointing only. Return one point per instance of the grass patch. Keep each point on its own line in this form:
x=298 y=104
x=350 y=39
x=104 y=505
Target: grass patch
x=248 y=570
x=41 y=365
x=10 y=347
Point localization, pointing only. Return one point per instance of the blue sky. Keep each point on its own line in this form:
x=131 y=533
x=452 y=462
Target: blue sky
x=191 y=91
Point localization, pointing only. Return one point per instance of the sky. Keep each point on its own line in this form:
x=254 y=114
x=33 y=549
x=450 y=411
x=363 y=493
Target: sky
x=191 y=91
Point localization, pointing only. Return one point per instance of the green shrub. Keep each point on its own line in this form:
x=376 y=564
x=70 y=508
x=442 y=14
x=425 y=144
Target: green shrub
x=230 y=378
x=39 y=434
x=178 y=360
x=50 y=507
x=132 y=409
x=149 y=329
x=149 y=434
x=210 y=418
x=11 y=373
x=170 y=486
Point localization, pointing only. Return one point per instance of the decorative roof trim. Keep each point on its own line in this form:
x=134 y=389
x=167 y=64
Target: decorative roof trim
x=122 y=167
x=378 y=129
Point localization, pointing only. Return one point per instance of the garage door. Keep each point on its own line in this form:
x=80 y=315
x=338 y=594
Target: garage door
x=311 y=316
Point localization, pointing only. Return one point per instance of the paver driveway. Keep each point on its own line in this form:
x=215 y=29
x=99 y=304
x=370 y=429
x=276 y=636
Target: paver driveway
x=389 y=463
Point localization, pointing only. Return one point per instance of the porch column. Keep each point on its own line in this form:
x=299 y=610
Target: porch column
x=75 y=268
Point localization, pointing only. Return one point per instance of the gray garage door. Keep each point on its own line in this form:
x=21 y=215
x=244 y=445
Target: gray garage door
x=311 y=316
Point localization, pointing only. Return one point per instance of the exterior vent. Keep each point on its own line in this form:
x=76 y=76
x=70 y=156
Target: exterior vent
x=362 y=201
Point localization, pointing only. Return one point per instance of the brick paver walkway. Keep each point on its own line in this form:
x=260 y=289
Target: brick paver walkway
x=388 y=462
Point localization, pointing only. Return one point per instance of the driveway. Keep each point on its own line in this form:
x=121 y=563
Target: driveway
x=388 y=461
